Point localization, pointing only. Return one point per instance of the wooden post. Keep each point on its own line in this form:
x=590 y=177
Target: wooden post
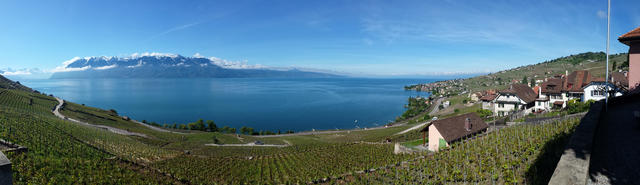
x=424 y=140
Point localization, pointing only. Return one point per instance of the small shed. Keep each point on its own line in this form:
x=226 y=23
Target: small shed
x=446 y=131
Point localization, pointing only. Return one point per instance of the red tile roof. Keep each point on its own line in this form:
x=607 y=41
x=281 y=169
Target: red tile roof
x=489 y=97
x=453 y=128
x=553 y=85
x=599 y=79
x=619 y=78
x=523 y=92
x=630 y=36
x=576 y=80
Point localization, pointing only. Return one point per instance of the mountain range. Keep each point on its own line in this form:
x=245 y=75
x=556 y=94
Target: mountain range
x=172 y=66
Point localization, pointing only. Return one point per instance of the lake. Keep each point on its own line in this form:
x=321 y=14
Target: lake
x=261 y=103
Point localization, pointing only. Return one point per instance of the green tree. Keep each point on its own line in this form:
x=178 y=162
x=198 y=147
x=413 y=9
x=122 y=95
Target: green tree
x=483 y=113
x=225 y=129
x=113 y=111
x=243 y=130
x=426 y=117
x=192 y=126
x=524 y=80
x=212 y=126
x=575 y=106
x=613 y=67
x=200 y=125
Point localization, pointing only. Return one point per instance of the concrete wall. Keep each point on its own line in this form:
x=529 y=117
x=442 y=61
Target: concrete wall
x=573 y=167
x=434 y=138
x=6 y=176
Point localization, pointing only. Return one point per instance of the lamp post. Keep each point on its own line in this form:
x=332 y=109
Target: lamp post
x=606 y=79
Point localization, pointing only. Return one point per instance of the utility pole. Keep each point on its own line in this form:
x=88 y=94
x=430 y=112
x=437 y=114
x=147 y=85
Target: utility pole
x=606 y=100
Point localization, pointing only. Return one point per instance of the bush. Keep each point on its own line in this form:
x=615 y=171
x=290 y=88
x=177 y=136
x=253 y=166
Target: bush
x=575 y=106
x=426 y=117
x=484 y=113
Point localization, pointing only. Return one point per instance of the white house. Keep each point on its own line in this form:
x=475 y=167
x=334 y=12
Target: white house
x=542 y=102
x=596 y=90
x=488 y=102
x=551 y=93
x=517 y=97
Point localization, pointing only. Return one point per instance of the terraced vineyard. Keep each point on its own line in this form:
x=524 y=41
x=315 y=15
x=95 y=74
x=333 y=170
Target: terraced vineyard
x=55 y=155
x=64 y=152
x=297 y=166
x=525 y=154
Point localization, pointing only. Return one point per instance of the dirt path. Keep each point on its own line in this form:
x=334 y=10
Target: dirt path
x=111 y=129
x=413 y=128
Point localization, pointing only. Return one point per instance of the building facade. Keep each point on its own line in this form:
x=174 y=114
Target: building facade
x=632 y=39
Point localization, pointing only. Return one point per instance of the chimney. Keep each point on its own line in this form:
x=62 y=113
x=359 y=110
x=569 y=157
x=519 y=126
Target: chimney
x=467 y=124
x=539 y=91
x=566 y=72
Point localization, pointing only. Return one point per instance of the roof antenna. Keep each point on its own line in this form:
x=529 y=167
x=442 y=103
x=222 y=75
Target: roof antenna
x=606 y=78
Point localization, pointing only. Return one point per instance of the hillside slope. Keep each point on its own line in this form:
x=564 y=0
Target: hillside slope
x=593 y=62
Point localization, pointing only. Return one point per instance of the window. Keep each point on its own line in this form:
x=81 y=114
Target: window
x=501 y=105
x=597 y=93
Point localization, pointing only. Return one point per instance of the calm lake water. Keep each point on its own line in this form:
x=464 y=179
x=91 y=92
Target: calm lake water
x=268 y=104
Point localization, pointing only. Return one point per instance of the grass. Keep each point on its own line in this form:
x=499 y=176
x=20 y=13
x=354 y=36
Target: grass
x=414 y=143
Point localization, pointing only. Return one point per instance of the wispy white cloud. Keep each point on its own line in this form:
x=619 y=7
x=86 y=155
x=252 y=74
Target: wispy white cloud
x=68 y=69
x=15 y=73
x=177 y=28
x=152 y=54
x=601 y=14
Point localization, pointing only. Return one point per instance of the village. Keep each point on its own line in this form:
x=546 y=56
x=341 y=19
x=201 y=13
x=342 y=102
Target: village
x=535 y=97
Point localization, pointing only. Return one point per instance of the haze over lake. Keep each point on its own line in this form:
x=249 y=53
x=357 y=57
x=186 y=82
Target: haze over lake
x=261 y=103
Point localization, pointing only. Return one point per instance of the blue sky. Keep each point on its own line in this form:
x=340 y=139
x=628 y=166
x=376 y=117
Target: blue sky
x=385 y=38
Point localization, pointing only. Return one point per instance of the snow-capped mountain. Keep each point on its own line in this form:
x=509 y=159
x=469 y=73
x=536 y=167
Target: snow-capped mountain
x=158 y=65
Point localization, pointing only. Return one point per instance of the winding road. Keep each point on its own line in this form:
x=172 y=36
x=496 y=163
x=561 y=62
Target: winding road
x=56 y=112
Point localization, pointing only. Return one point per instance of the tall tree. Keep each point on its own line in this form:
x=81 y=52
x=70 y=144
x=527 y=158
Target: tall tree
x=199 y=125
x=212 y=126
x=524 y=80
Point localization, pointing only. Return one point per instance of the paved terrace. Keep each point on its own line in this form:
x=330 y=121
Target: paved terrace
x=605 y=148
x=616 y=145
